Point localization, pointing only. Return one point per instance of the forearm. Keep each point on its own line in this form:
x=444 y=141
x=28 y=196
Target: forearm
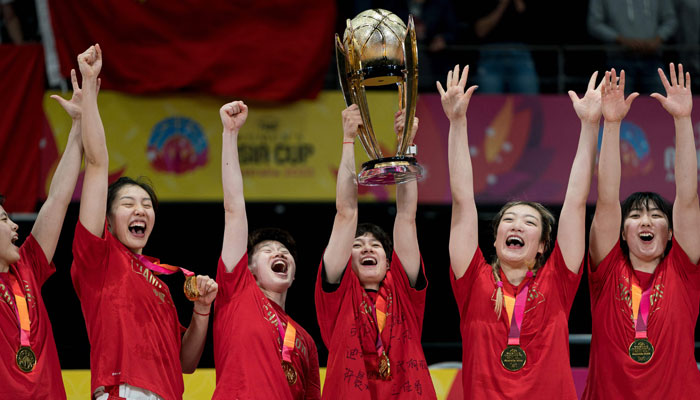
x=405 y=233
x=460 y=165
x=49 y=222
x=571 y=234
x=484 y=25
x=93 y=132
x=582 y=168
x=346 y=185
x=609 y=165
x=236 y=220
x=686 y=163
x=194 y=338
x=339 y=246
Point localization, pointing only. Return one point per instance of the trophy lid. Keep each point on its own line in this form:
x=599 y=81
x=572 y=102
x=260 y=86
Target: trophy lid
x=379 y=34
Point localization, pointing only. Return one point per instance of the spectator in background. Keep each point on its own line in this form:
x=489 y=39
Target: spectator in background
x=688 y=33
x=640 y=27
x=505 y=64
x=11 y=22
x=436 y=29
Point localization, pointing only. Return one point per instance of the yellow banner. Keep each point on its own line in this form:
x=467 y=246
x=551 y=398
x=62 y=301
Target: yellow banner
x=287 y=153
x=201 y=384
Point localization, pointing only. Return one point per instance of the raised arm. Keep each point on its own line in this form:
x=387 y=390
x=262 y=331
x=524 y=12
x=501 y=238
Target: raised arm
x=345 y=223
x=686 y=209
x=49 y=222
x=571 y=234
x=93 y=200
x=405 y=235
x=233 y=116
x=605 y=228
x=196 y=334
x=464 y=229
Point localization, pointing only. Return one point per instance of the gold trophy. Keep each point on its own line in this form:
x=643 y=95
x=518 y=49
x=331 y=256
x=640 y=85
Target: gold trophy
x=377 y=49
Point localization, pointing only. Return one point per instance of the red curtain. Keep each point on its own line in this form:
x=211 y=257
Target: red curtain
x=269 y=50
x=22 y=122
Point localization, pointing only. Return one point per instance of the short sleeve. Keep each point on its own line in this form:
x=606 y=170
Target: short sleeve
x=89 y=250
x=232 y=282
x=33 y=257
x=462 y=287
x=567 y=282
x=328 y=304
x=688 y=271
x=399 y=276
x=599 y=274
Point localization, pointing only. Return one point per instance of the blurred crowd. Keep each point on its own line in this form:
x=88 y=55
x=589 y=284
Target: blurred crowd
x=515 y=46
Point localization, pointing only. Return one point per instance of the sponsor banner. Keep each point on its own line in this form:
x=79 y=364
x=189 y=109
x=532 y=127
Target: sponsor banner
x=522 y=147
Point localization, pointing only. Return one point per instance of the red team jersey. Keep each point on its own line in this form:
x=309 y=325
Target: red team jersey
x=45 y=381
x=130 y=317
x=247 y=344
x=349 y=332
x=672 y=372
x=544 y=333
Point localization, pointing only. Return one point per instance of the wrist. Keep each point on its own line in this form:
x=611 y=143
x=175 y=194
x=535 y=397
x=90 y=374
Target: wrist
x=348 y=140
x=201 y=310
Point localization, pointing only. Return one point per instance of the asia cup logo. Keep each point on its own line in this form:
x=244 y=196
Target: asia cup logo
x=635 y=152
x=177 y=145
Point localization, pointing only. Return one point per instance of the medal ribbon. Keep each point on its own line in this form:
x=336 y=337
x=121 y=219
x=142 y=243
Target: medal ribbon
x=287 y=336
x=379 y=311
x=21 y=310
x=516 y=312
x=641 y=304
x=158 y=268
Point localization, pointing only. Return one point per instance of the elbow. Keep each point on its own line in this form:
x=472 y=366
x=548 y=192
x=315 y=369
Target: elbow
x=188 y=369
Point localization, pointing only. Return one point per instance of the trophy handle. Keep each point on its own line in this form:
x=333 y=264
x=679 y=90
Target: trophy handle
x=356 y=93
x=341 y=60
x=409 y=91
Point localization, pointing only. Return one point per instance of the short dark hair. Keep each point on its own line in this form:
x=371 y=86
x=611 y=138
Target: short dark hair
x=2 y=199
x=276 y=234
x=378 y=234
x=548 y=222
x=641 y=200
x=142 y=182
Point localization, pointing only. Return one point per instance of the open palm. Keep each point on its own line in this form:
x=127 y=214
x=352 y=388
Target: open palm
x=679 y=99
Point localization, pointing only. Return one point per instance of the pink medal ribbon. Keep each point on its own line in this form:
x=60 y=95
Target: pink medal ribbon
x=513 y=357
x=641 y=350
x=190 y=287
x=25 y=357
x=516 y=321
x=287 y=339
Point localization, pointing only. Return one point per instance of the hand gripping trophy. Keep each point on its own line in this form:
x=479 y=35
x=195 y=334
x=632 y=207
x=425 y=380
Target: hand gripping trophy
x=377 y=49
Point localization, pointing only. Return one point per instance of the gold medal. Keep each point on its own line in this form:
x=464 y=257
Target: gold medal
x=26 y=359
x=513 y=358
x=641 y=350
x=191 y=291
x=289 y=372
x=384 y=367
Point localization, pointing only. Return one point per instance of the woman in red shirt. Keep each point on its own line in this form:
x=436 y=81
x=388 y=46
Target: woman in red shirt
x=369 y=299
x=644 y=275
x=29 y=367
x=514 y=311
x=138 y=349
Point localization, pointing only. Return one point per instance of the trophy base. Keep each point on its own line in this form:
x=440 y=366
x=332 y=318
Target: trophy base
x=390 y=171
